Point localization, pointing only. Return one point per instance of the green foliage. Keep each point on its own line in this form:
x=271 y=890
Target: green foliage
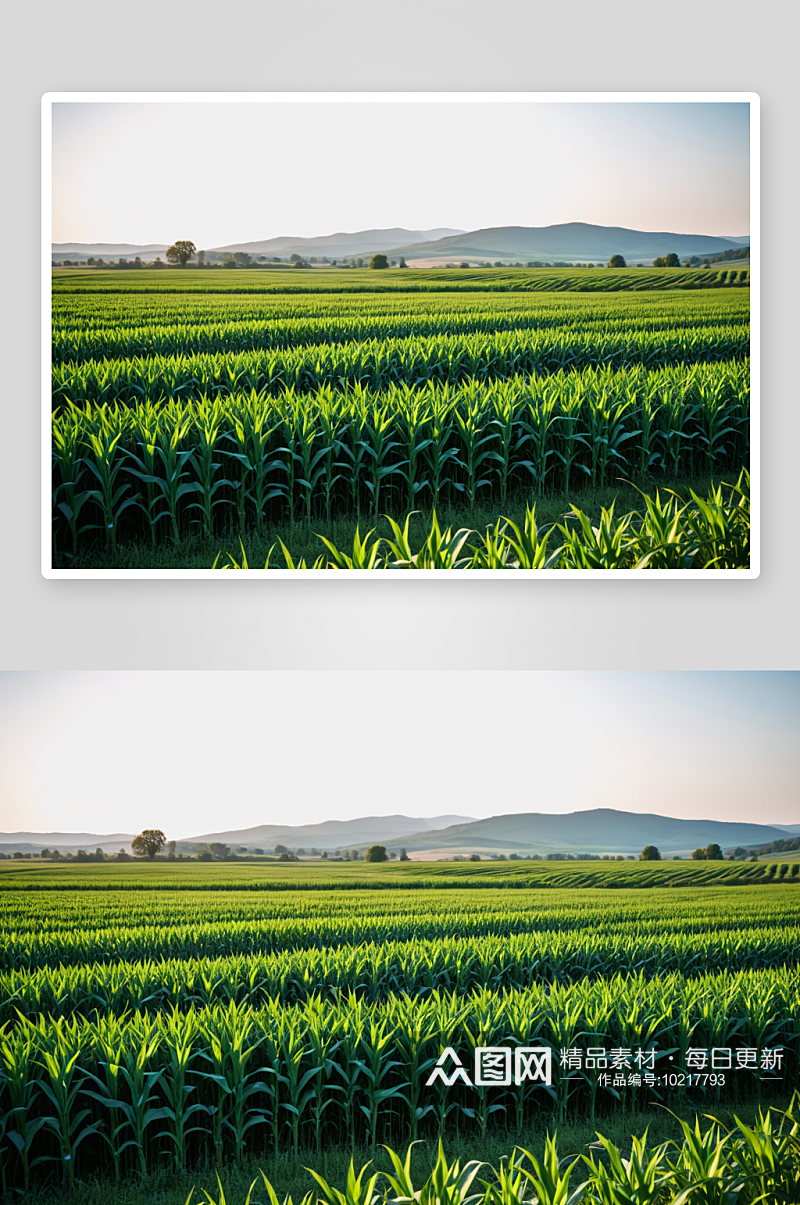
x=148 y=843
x=180 y=252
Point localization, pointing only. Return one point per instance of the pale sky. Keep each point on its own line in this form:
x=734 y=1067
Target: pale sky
x=194 y=752
x=221 y=173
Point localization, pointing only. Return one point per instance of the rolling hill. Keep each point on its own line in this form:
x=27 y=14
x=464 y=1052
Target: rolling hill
x=566 y=241
x=335 y=246
x=340 y=245
x=598 y=831
x=330 y=834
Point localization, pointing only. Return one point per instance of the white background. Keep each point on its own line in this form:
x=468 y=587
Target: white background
x=437 y=46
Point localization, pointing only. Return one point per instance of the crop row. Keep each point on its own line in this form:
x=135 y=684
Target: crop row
x=241 y=460
x=452 y=882
x=442 y=912
x=125 y=1092
x=186 y=898
x=407 y=281
x=380 y=363
x=377 y=970
x=81 y=344
x=109 y=939
x=125 y=311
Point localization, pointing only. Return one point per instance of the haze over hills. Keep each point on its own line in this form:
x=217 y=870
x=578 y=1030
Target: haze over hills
x=595 y=831
x=341 y=245
x=330 y=834
x=568 y=241
x=84 y=250
x=336 y=246
x=26 y=843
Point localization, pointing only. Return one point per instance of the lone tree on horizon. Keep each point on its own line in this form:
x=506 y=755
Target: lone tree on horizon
x=650 y=853
x=379 y=261
x=149 y=842
x=617 y=261
x=181 y=252
x=376 y=853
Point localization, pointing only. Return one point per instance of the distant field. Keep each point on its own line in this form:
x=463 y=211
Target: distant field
x=206 y=1013
x=201 y=876
x=280 y=280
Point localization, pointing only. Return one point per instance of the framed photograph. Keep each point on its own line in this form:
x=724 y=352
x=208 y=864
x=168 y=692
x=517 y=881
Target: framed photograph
x=293 y=333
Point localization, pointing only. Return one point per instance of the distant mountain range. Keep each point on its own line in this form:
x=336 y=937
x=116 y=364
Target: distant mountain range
x=333 y=834
x=342 y=245
x=336 y=246
x=596 y=831
x=568 y=241
x=330 y=834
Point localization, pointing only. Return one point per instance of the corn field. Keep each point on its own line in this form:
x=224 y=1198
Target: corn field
x=285 y=281
x=162 y=1018
x=219 y=414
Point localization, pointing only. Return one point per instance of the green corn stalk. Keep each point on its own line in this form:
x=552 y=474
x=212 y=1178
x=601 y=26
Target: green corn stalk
x=17 y=1051
x=570 y=441
x=107 y=463
x=529 y=548
x=377 y=1064
x=476 y=446
x=377 y=448
x=537 y=423
x=62 y=1085
x=357 y=1190
x=208 y=483
x=139 y=1111
x=365 y=554
x=701 y=1172
x=228 y=1035
x=67 y=463
x=179 y=1042
x=637 y=1180
x=608 y=546
x=549 y=1183
x=109 y=1097
x=300 y=1091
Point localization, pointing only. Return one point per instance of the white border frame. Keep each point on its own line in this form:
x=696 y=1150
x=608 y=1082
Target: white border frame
x=750 y=98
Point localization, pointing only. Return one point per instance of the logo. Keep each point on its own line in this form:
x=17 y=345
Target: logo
x=493 y=1067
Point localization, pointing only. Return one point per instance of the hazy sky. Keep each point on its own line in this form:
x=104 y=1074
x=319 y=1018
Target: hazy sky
x=221 y=173
x=195 y=752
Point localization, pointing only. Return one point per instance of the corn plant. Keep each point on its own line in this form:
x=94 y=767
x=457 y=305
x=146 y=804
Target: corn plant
x=638 y=1180
x=62 y=1084
x=23 y=1119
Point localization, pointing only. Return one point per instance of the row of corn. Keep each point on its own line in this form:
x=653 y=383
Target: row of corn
x=127 y=1092
x=211 y=925
x=375 y=970
x=244 y=459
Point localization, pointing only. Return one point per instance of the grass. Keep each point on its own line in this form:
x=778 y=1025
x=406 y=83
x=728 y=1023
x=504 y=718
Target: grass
x=303 y=539
x=290 y=1175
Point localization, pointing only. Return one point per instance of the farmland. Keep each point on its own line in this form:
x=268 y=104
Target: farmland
x=221 y=410
x=185 y=1017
